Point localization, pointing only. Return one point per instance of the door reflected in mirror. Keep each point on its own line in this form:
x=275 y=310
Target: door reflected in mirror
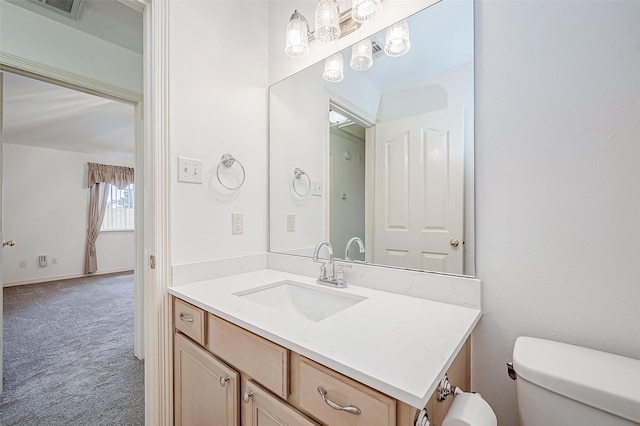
x=387 y=152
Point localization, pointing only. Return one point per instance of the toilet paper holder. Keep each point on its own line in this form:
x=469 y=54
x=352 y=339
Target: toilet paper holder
x=445 y=389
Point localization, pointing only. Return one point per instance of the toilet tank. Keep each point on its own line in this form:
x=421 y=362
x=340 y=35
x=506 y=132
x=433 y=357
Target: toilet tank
x=560 y=384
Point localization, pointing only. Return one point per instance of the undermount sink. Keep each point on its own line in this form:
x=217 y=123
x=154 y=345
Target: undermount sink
x=303 y=300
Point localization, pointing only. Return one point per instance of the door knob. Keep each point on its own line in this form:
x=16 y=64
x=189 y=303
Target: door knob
x=454 y=243
x=9 y=243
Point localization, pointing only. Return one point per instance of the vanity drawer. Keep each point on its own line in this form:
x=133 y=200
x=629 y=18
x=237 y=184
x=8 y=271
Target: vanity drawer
x=376 y=409
x=189 y=320
x=262 y=360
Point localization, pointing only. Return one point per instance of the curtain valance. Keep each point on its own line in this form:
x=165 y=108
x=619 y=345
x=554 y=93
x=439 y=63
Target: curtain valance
x=119 y=176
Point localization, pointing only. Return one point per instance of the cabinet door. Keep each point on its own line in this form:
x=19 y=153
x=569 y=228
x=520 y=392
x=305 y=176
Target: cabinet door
x=205 y=389
x=260 y=408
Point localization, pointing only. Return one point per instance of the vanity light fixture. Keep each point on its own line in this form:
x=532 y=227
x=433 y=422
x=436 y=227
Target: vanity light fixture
x=362 y=55
x=364 y=10
x=327 y=21
x=330 y=26
x=297 y=44
x=334 y=68
x=397 y=41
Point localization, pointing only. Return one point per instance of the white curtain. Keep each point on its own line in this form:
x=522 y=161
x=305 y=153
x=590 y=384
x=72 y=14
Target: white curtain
x=101 y=176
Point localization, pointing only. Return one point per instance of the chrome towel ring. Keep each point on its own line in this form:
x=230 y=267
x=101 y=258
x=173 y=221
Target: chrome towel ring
x=228 y=160
x=297 y=174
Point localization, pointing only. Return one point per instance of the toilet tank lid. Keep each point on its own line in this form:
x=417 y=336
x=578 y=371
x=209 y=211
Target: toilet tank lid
x=605 y=381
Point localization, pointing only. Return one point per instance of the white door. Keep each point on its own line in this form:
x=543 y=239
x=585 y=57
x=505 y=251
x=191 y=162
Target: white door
x=419 y=190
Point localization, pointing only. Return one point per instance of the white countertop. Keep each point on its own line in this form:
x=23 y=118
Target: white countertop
x=397 y=344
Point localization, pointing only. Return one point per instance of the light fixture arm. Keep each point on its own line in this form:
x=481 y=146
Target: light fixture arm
x=346 y=22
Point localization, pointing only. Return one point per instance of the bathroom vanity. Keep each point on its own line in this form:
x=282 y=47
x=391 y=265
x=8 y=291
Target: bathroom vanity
x=271 y=347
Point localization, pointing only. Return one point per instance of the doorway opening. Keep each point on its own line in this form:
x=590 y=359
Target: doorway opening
x=41 y=173
x=347 y=181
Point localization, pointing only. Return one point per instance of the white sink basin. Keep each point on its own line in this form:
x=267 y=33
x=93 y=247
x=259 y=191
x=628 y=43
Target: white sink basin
x=303 y=300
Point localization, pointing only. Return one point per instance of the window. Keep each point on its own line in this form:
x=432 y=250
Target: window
x=120 y=207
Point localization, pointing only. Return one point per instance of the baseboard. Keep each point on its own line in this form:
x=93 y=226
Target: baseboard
x=64 y=277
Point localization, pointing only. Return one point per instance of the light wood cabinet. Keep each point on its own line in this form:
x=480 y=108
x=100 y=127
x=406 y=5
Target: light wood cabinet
x=205 y=389
x=189 y=320
x=334 y=399
x=213 y=359
x=261 y=359
x=260 y=408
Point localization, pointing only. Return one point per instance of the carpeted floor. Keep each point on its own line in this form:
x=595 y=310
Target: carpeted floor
x=68 y=354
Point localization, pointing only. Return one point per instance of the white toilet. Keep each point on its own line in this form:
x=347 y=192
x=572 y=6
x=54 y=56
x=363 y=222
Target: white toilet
x=565 y=385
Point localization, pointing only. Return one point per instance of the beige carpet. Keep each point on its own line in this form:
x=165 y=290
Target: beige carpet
x=68 y=354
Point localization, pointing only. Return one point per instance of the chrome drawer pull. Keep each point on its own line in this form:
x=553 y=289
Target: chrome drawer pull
x=223 y=381
x=185 y=318
x=350 y=409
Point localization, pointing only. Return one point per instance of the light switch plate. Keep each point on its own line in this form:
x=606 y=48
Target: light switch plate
x=189 y=170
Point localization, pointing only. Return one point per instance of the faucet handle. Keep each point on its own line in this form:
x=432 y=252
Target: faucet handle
x=323 y=270
x=340 y=274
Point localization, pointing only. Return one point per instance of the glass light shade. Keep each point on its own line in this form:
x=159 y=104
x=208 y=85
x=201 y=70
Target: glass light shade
x=361 y=55
x=297 y=43
x=397 y=39
x=363 y=10
x=327 y=21
x=334 y=68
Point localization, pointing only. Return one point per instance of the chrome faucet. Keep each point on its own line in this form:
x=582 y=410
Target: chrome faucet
x=328 y=275
x=351 y=241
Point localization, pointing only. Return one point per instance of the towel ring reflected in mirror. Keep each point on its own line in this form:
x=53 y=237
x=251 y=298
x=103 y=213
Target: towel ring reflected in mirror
x=297 y=174
x=227 y=160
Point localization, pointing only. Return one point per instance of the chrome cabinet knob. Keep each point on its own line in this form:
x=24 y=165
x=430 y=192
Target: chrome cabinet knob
x=224 y=381
x=454 y=243
x=246 y=396
x=9 y=243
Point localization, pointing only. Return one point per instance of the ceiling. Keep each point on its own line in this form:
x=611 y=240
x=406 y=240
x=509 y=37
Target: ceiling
x=109 y=20
x=45 y=115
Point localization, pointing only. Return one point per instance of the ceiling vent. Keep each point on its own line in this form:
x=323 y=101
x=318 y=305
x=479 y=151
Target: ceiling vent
x=68 y=8
x=376 y=49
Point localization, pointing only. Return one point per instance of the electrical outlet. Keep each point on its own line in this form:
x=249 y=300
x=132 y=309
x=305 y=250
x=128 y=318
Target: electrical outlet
x=23 y=263
x=189 y=170
x=291 y=223
x=316 y=188
x=237 y=225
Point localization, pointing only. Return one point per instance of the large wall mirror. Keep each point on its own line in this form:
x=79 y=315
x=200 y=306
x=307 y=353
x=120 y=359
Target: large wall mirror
x=384 y=155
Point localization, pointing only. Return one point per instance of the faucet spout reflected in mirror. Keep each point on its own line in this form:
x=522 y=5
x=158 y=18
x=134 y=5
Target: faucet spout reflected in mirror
x=351 y=241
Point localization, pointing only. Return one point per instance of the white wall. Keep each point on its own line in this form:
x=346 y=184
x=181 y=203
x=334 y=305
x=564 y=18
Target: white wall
x=45 y=212
x=36 y=38
x=347 y=215
x=218 y=84
x=557 y=174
